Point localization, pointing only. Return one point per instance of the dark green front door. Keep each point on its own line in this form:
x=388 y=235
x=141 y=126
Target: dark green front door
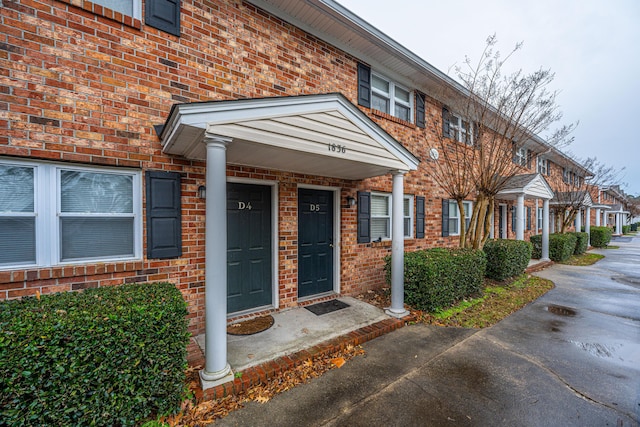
x=315 y=242
x=249 y=239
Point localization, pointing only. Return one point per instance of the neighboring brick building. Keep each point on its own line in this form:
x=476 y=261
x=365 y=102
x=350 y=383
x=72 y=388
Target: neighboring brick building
x=298 y=116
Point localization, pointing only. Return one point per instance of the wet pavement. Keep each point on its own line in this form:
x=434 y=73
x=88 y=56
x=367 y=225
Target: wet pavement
x=571 y=358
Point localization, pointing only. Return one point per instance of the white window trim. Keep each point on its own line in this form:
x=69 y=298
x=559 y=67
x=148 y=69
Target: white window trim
x=464 y=203
x=411 y=216
x=391 y=96
x=136 y=6
x=521 y=156
x=457 y=130
x=543 y=166
x=46 y=183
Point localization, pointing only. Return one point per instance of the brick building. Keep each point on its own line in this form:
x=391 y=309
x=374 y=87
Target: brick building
x=295 y=126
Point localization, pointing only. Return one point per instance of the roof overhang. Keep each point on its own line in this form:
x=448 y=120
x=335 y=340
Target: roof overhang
x=532 y=186
x=575 y=198
x=320 y=135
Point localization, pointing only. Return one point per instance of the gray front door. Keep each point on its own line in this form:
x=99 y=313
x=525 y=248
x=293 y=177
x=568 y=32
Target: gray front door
x=315 y=242
x=249 y=241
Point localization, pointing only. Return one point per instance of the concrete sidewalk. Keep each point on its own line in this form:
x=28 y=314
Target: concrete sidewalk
x=572 y=358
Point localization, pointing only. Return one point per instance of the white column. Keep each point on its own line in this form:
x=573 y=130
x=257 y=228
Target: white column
x=520 y=217
x=618 y=223
x=545 y=230
x=535 y=227
x=397 y=247
x=216 y=369
x=587 y=225
x=606 y=219
x=493 y=225
x=598 y=217
x=579 y=220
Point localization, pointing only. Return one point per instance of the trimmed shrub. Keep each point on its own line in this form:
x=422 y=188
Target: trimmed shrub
x=436 y=278
x=561 y=246
x=634 y=226
x=600 y=236
x=506 y=258
x=105 y=356
x=582 y=243
x=536 y=242
x=626 y=229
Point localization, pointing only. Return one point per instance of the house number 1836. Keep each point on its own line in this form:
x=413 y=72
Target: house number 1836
x=337 y=148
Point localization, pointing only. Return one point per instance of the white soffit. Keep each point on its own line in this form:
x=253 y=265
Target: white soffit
x=321 y=135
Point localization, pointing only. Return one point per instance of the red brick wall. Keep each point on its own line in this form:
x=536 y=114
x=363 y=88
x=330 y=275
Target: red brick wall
x=79 y=83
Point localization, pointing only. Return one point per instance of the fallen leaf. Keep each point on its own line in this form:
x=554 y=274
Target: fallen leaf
x=338 y=361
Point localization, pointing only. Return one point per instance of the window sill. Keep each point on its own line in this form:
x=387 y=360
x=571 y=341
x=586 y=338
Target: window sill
x=68 y=271
x=105 y=13
x=391 y=118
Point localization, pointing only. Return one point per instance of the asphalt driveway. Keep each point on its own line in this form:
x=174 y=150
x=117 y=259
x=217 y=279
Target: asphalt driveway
x=572 y=358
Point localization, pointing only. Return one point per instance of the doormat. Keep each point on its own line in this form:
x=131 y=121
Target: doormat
x=326 y=307
x=250 y=327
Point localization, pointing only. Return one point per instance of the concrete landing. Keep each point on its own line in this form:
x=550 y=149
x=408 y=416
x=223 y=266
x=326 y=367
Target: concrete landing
x=297 y=329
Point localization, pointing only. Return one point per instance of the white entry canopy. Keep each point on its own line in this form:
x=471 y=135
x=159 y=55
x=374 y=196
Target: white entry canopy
x=322 y=135
x=532 y=185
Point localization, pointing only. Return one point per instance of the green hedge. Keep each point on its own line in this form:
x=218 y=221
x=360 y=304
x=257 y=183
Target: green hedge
x=103 y=357
x=634 y=226
x=600 y=236
x=506 y=258
x=436 y=278
x=561 y=246
x=626 y=229
x=582 y=243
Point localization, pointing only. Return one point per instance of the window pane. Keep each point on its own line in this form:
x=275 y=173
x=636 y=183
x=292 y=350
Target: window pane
x=123 y=6
x=403 y=112
x=453 y=210
x=379 y=103
x=17 y=240
x=467 y=209
x=407 y=227
x=379 y=205
x=402 y=95
x=380 y=228
x=406 y=207
x=16 y=189
x=87 y=192
x=86 y=238
x=380 y=84
x=453 y=226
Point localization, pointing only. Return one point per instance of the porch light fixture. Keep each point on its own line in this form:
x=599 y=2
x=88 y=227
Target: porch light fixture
x=351 y=201
x=202 y=192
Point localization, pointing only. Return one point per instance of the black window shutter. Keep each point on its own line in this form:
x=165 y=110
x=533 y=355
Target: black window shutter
x=513 y=218
x=528 y=218
x=364 y=217
x=419 y=217
x=163 y=15
x=420 y=110
x=446 y=123
x=364 y=85
x=164 y=228
x=445 y=217
x=529 y=156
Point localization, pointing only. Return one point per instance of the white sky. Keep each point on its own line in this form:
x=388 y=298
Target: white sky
x=592 y=46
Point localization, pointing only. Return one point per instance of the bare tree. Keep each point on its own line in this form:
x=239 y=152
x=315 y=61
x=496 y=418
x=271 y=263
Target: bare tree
x=490 y=116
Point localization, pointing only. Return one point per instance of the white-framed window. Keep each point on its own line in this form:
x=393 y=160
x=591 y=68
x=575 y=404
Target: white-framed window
x=391 y=98
x=539 y=218
x=132 y=8
x=381 y=216
x=454 y=216
x=461 y=130
x=54 y=214
x=543 y=166
x=521 y=156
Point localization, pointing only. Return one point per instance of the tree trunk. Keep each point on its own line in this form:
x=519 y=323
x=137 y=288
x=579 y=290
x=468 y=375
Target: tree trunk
x=463 y=223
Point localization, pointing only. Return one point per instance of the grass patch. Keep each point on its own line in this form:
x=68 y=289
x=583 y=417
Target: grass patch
x=498 y=301
x=610 y=247
x=583 y=259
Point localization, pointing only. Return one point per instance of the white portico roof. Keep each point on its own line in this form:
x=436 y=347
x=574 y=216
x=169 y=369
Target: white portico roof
x=532 y=185
x=322 y=135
